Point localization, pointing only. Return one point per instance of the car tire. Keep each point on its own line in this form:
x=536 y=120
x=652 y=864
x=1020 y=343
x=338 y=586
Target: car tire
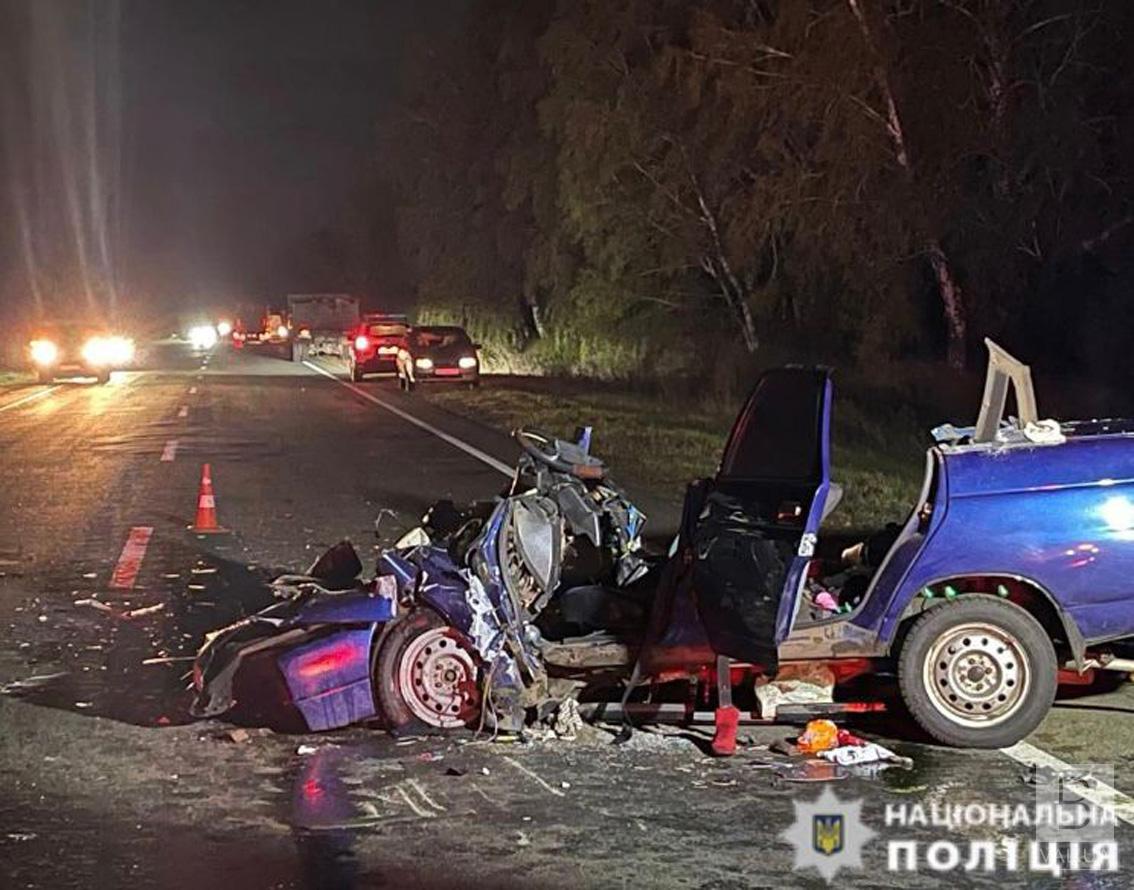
x=426 y=677
x=44 y=377
x=978 y=672
x=103 y=376
x=356 y=373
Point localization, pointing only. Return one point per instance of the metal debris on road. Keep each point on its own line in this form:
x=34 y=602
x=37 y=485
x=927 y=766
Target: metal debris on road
x=34 y=682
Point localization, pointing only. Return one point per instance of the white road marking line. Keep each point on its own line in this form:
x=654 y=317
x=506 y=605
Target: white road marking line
x=421 y=791
x=497 y=465
x=425 y=814
x=183 y=411
x=1099 y=793
x=170 y=451
x=130 y=561
x=31 y=398
x=192 y=390
x=528 y=772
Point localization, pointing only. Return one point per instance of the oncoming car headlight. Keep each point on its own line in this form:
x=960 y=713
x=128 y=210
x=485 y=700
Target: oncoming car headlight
x=44 y=352
x=203 y=336
x=426 y=364
x=468 y=362
x=97 y=351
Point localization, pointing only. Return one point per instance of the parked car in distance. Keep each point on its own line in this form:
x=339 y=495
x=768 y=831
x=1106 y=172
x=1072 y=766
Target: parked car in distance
x=375 y=345
x=442 y=353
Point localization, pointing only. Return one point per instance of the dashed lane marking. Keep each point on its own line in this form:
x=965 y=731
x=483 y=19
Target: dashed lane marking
x=170 y=451
x=192 y=390
x=29 y=398
x=1097 y=792
x=183 y=411
x=130 y=561
x=488 y=459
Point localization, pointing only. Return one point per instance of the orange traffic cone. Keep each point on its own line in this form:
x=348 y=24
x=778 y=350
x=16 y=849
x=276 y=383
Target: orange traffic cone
x=206 y=522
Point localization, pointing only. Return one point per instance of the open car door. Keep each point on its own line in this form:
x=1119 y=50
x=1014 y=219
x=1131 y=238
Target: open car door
x=757 y=527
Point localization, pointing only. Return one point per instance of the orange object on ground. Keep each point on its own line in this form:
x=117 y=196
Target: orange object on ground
x=724 y=739
x=818 y=735
x=206 y=522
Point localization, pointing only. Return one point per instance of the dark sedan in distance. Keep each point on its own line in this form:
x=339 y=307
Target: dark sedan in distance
x=440 y=353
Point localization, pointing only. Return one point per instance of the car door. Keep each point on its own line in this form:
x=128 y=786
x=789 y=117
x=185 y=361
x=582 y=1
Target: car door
x=757 y=529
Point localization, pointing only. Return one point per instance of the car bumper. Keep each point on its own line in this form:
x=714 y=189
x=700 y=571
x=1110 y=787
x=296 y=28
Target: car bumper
x=446 y=375
x=377 y=364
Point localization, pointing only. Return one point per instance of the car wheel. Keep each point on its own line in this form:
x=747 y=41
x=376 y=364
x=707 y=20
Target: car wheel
x=44 y=377
x=356 y=372
x=103 y=377
x=978 y=672
x=427 y=676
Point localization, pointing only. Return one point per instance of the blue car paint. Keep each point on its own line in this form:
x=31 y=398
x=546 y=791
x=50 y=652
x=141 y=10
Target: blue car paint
x=797 y=571
x=1060 y=516
x=345 y=608
x=329 y=678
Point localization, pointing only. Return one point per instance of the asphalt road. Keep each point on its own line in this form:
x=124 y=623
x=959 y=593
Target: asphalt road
x=107 y=782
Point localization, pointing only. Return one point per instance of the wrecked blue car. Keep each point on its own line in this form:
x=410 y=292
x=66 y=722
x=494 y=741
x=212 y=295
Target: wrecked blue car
x=1010 y=570
x=451 y=631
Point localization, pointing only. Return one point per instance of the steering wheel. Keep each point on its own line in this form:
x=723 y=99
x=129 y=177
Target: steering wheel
x=546 y=450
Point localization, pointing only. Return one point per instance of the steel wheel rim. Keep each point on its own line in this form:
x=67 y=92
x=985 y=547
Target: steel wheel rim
x=437 y=679
x=977 y=675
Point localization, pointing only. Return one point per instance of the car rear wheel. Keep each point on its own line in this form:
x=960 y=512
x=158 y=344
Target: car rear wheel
x=427 y=676
x=978 y=672
x=103 y=376
x=355 y=372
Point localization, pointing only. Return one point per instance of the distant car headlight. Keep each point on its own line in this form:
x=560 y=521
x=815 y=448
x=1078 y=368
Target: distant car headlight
x=203 y=336
x=121 y=350
x=282 y=332
x=44 y=352
x=468 y=362
x=426 y=364
x=98 y=351
x=223 y=328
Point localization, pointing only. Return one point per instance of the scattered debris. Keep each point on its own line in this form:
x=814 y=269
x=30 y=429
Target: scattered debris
x=818 y=735
x=783 y=746
x=147 y=610
x=865 y=753
x=796 y=684
x=34 y=682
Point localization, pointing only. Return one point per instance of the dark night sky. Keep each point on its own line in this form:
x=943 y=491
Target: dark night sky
x=243 y=127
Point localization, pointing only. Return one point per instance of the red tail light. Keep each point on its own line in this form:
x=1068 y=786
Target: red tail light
x=361 y=342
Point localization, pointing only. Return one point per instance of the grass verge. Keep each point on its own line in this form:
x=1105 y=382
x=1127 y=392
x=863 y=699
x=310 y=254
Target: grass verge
x=659 y=444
